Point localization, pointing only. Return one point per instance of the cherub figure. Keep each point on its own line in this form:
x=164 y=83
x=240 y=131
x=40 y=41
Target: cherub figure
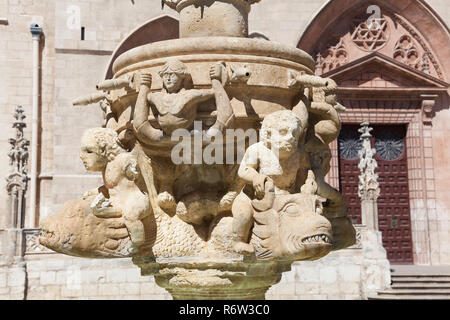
x=276 y=160
x=175 y=107
x=120 y=194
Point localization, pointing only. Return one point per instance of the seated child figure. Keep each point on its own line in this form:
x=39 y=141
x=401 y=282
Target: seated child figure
x=120 y=194
x=277 y=158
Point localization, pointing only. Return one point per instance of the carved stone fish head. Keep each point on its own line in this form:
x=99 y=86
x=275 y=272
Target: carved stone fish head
x=292 y=229
x=77 y=232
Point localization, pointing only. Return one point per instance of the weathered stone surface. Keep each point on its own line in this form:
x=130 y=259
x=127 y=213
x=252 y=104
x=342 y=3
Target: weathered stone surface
x=69 y=62
x=176 y=211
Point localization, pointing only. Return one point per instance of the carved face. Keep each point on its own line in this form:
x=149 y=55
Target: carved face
x=90 y=154
x=303 y=233
x=281 y=131
x=293 y=229
x=173 y=82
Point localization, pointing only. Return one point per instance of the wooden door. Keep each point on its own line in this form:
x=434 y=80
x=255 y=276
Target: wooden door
x=394 y=219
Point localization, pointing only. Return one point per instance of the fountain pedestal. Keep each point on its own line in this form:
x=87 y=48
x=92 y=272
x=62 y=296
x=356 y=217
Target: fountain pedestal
x=214 y=280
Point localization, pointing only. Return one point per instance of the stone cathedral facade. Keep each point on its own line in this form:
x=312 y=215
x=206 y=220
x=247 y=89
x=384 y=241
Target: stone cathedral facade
x=389 y=58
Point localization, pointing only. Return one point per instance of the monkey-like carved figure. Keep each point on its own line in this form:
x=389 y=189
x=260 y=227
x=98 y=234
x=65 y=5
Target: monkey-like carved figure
x=120 y=195
x=276 y=158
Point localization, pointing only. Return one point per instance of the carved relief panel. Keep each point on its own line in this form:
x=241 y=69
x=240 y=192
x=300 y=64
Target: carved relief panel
x=354 y=36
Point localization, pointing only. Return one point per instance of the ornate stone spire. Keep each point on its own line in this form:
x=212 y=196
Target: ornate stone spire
x=18 y=156
x=368 y=188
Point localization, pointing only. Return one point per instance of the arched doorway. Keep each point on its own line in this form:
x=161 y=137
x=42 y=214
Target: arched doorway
x=159 y=29
x=387 y=59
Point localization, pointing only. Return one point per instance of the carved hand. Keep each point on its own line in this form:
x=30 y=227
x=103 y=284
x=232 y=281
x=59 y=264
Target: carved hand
x=131 y=170
x=146 y=79
x=259 y=185
x=98 y=202
x=102 y=208
x=216 y=72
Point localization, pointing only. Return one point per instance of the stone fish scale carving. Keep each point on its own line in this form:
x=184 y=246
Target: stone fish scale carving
x=250 y=219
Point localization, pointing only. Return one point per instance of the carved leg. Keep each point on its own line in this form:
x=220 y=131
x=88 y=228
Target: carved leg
x=137 y=234
x=242 y=223
x=136 y=209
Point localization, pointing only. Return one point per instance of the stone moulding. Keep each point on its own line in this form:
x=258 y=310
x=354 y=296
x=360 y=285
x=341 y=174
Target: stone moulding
x=214 y=45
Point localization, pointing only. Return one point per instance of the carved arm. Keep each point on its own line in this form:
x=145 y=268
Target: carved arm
x=248 y=172
x=144 y=130
x=225 y=113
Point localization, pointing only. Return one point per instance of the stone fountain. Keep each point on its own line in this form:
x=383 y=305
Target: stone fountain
x=205 y=221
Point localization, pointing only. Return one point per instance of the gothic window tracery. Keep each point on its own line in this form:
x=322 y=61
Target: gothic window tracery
x=406 y=52
x=355 y=35
x=370 y=36
x=332 y=58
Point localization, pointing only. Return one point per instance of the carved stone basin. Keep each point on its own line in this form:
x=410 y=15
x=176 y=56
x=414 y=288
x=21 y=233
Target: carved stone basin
x=265 y=91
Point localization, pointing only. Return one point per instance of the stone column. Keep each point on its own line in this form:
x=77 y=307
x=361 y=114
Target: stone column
x=36 y=32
